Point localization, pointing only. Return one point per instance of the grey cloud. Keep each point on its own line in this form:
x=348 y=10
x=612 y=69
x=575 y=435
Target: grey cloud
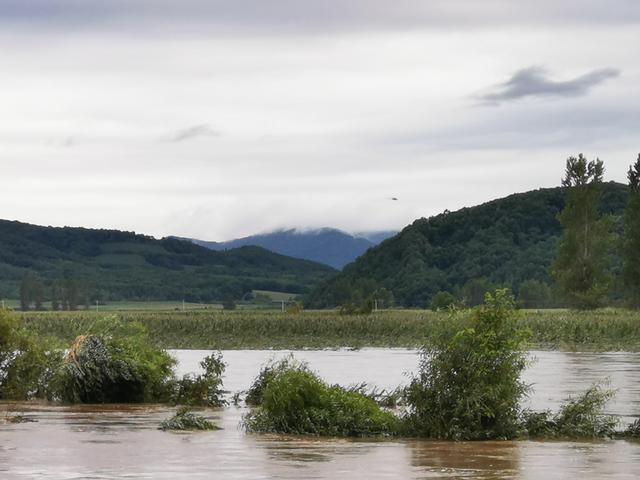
x=537 y=128
x=202 y=130
x=312 y=15
x=535 y=82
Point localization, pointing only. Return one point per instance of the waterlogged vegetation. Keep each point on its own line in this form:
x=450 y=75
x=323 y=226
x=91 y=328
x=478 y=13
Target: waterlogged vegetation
x=294 y=400
x=468 y=386
x=112 y=362
x=204 y=390
x=599 y=330
x=185 y=419
x=580 y=417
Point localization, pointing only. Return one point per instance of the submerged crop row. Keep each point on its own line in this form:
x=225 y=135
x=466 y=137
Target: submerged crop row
x=549 y=329
x=468 y=386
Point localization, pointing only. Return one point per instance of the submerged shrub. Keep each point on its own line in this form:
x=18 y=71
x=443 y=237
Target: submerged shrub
x=580 y=417
x=115 y=363
x=255 y=393
x=185 y=419
x=469 y=386
x=633 y=430
x=27 y=363
x=203 y=390
x=296 y=401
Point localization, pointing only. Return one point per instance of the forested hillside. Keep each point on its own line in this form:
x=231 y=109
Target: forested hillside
x=504 y=242
x=115 y=265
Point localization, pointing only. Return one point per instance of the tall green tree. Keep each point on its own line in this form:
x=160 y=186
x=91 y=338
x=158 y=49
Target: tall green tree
x=580 y=267
x=631 y=247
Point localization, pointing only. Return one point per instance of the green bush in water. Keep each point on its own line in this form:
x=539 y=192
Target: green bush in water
x=580 y=417
x=27 y=363
x=185 y=419
x=633 y=430
x=469 y=386
x=296 y=401
x=203 y=390
x=114 y=363
x=255 y=393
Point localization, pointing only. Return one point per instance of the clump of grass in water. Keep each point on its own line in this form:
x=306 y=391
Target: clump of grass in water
x=185 y=419
x=295 y=401
x=580 y=417
x=469 y=386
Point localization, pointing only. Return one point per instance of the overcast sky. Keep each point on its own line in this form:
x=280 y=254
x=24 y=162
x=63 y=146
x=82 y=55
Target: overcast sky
x=219 y=119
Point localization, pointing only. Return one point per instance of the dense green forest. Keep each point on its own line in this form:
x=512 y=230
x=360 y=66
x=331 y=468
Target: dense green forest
x=509 y=242
x=114 y=265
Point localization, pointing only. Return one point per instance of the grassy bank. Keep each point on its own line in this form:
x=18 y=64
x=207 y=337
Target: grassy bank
x=551 y=329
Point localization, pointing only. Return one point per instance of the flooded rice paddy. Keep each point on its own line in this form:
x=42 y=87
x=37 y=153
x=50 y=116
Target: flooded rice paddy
x=122 y=442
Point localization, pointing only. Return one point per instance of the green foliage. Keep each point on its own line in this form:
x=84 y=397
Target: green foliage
x=534 y=294
x=580 y=417
x=74 y=264
x=272 y=369
x=185 y=419
x=469 y=386
x=580 y=267
x=26 y=363
x=631 y=244
x=506 y=241
x=115 y=362
x=296 y=401
x=203 y=390
x=443 y=301
x=633 y=430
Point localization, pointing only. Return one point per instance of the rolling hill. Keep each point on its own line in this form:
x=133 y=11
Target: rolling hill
x=503 y=242
x=116 y=265
x=326 y=245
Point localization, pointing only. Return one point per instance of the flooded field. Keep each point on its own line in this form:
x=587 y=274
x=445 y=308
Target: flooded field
x=116 y=442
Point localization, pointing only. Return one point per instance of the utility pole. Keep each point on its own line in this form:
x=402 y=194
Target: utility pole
x=283 y=305
x=97 y=308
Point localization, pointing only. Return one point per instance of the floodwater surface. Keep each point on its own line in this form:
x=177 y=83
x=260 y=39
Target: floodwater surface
x=122 y=442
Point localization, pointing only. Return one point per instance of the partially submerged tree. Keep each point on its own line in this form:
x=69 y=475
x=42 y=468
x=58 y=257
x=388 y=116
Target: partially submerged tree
x=580 y=265
x=631 y=247
x=114 y=363
x=469 y=386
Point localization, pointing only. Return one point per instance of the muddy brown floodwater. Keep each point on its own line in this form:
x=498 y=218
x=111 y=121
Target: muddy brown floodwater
x=122 y=442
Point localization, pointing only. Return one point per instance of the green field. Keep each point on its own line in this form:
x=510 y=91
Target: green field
x=608 y=329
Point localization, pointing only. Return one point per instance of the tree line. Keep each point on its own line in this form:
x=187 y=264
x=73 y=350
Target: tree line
x=65 y=293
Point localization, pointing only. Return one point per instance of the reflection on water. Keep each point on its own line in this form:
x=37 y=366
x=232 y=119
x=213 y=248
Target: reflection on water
x=117 y=442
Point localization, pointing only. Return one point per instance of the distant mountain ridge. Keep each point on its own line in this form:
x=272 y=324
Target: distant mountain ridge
x=329 y=246
x=117 y=265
